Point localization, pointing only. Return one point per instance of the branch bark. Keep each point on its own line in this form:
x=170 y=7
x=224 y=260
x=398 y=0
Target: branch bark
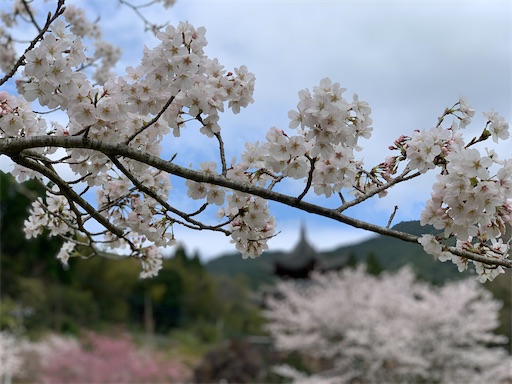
x=13 y=146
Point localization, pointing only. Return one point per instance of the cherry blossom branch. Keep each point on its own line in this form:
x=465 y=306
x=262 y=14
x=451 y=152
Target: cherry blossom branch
x=197 y=225
x=58 y=11
x=399 y=179
x=13 y=146
x=67 y=191
x=152 y=121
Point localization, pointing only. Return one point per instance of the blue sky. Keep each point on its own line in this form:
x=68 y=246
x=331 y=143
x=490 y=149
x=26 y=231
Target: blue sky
x=408 y=59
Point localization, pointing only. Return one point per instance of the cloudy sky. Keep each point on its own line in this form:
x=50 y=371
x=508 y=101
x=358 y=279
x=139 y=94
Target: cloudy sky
x=408 y=59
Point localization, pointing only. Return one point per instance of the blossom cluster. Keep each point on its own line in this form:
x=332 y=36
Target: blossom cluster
x=17 y=118
x=174 y=80
x=475 y=208
x=7 y=51
x=472 y=197
x=94 y=358
x=249 y=217
x=329 y=127
x=11 y=360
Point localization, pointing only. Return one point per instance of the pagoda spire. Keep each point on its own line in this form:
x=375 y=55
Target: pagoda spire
x=302 y=231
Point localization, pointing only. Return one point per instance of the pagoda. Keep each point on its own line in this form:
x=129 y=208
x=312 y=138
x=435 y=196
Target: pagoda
x=304 y=259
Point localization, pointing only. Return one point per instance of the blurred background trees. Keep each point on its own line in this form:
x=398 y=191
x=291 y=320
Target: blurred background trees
x=39 y=294
x=184 y=312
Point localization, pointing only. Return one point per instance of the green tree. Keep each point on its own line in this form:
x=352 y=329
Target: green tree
x=34 y=284
x=19 y=256
x=372 y=264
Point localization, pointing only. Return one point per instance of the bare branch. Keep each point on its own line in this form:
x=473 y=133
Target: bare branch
x=201 y=209
x=31 y=16
x=222 y=153
x=342 y=198
x=399 y=179
x=148 y=24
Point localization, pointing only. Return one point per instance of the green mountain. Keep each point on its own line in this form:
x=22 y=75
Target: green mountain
x=385 y=252
x=256 y=272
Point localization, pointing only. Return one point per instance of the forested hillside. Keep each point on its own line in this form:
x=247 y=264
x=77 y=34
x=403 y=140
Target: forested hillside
x=38 y=293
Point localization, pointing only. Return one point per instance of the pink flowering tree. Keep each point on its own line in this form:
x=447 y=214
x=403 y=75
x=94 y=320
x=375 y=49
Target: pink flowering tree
x=116 y=126
x=94 y=358
x=105 y=359
x=390 y=328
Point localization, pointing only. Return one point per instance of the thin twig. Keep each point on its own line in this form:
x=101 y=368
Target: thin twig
x=403 y=177
x=30 y=14
x=310 y=178
x=392 y=216
x=201 y=209
x=275 y=181
x=149 y=25
x=151 y=122
x=222 y=154
x=342 y=198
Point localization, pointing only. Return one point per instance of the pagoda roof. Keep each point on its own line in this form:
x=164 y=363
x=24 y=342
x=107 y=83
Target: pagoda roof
x=303 y=259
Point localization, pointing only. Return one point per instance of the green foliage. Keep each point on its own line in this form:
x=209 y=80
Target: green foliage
x=372 y=264
x=257 y=271
x=19 y=256
x=101 y=291
x=55 y=306
x=31 y=276
x=109 y=282
x=239 y=307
